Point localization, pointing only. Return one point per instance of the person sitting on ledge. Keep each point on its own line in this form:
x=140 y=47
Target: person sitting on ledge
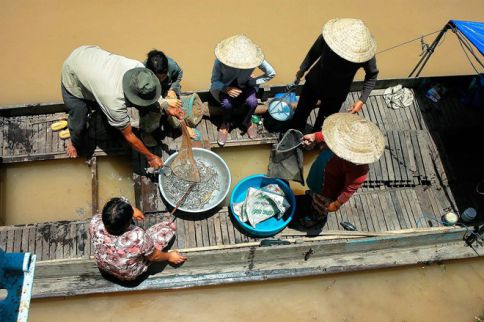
x=167 y=71
x=350 y=143
x=234 y=83
x=123 y=250
x=170 y=74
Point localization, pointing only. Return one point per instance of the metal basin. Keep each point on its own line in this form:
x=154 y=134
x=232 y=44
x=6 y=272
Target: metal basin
x=223 y=179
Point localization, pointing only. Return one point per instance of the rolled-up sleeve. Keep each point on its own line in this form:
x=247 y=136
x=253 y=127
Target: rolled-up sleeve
x=269 y=73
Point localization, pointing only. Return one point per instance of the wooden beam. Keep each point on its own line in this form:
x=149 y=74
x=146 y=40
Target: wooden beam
x=77 y=277
x=94 y=185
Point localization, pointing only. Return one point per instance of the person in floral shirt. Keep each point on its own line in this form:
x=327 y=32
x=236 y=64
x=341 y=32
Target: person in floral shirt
x=125 y=251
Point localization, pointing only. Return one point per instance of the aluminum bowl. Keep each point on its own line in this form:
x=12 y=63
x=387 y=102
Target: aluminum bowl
x=223 y=179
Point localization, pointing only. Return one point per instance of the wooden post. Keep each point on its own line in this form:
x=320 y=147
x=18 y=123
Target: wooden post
x=94 y=185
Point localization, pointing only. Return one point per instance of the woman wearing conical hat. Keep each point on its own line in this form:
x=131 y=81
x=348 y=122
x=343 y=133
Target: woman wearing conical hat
x=350 y=144
x=345 y=46
x=233 y=83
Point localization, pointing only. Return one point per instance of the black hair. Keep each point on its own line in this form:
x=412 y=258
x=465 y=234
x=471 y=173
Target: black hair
x=117 y=215
x=157 y=62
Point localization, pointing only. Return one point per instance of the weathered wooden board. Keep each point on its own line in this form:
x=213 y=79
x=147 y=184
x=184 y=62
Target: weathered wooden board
x=251 y=263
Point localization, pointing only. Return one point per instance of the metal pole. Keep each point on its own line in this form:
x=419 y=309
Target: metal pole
x=423 y=61
x=462 y=41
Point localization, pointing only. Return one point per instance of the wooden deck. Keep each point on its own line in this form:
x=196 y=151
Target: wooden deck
x=408 y=159
x=370 y=211
x=408 y=189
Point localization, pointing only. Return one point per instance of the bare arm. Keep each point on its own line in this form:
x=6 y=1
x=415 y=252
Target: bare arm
x=153 y=160
x=172 y=257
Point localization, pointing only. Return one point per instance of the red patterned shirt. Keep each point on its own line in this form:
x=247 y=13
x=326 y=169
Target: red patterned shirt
x=123 y=256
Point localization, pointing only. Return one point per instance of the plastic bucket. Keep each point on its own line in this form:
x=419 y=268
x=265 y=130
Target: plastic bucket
x=468 y=215
x=280 y=108
x=268 y=227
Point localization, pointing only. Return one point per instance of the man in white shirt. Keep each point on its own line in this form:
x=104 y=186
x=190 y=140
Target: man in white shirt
x=114 y=82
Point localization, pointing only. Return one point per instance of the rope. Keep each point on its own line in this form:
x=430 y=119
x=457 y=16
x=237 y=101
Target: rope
x=407 y=42
x=462 y=41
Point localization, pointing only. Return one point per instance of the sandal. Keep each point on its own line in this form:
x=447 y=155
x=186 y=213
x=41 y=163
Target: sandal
x=222 y=137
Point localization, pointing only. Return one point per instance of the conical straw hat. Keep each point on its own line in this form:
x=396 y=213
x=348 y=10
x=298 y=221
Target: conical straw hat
x=239 y=52
x=353 y=138
x=350 y=39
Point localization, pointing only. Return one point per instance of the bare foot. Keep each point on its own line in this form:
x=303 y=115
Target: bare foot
x=176 y=258
x=224 y=127
x=71 y=150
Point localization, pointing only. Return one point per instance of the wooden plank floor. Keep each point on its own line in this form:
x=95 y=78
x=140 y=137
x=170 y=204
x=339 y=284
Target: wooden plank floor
x=402 y=190
x=406 y=162
x=30 y=138
x=373 y=211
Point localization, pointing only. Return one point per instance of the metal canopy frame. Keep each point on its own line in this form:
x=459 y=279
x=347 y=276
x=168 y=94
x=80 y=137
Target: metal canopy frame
x=426 y=56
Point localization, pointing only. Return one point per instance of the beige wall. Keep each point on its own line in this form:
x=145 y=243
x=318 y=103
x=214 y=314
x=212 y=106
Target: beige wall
x=36 y=36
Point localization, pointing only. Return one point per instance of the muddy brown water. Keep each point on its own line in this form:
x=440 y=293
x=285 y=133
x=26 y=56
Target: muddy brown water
x=37 y=36
x=59 y=190
x=448 y=292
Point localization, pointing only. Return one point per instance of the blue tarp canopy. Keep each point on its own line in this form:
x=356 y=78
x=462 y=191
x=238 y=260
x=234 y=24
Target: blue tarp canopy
x=473 y=30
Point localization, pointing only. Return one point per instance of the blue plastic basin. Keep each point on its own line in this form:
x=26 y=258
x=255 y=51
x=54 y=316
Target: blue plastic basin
x=268 y=227
x=280 y=107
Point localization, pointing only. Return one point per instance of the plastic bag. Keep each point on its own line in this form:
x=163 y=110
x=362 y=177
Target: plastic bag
x=398 y=97
x=262 y=204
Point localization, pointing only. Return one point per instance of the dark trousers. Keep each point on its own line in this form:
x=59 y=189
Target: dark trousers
x=247 y=97
x=307 y=102
x=78 y=110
